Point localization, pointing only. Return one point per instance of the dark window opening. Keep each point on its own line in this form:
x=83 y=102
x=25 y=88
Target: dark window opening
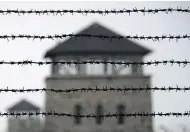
x=99 y=113
x=78 y=111
x=121 y=110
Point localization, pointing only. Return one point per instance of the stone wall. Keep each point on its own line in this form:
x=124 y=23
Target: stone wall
x=134 y=102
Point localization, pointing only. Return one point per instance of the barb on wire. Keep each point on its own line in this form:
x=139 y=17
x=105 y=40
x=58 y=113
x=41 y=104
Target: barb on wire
x=109 y=115
x=27 y=62
x=91 y=11
x=100 y=36
x=97 y=89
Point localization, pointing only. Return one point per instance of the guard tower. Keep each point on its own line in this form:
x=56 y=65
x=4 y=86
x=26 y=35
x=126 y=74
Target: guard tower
x=100 y=75
x=24 y=123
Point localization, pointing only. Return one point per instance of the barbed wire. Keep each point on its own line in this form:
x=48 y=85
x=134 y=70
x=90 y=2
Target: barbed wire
x=109 y=115
x=91 y=11
x=100 y=36
x=97 y=89
x=140 y=63
x=89 y=89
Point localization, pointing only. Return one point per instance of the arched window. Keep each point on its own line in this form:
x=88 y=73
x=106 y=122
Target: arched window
x=78 y=111
x=99 y=112
x=121 y=110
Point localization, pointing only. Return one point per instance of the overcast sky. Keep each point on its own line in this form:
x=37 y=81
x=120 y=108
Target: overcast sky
x=152 y=24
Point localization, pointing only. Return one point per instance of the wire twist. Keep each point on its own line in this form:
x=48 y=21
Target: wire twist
x=100 y=36
x=90 y=11
x=69 y=63
x=97 y=89
x=109 y=115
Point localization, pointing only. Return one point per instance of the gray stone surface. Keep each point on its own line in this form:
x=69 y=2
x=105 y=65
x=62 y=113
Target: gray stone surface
x=30 y=124
x=134 y=102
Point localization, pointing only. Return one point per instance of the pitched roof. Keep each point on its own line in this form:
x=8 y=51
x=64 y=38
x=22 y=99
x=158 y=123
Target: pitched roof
x=22 y=106
x=90 y=46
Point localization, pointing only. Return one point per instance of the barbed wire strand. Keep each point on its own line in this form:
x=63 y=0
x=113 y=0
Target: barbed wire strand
x=97 y=89
x=69 y=63
x=100 y=36
x=91 y=11
x=109 y=115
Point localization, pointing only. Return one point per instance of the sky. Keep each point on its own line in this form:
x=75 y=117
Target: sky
x=13 y=76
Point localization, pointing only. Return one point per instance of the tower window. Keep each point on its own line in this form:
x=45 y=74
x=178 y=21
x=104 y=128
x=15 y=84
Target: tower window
x=22 y=124
x=78 y=111
x=109 y=67
x=95 y=69
x=99 y=112
x=68 y=69
x=135 y=69
x=121 y=110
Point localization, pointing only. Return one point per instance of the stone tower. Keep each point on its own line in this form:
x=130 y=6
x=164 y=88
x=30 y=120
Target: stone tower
x=24 y=123
x=100 y=75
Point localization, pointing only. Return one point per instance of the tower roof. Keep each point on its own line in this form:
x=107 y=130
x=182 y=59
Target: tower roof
x=23 y=105
x=96 y=46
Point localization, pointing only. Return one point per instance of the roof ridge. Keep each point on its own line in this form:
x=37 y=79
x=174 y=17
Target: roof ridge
x=23 y=104
x=91 y=46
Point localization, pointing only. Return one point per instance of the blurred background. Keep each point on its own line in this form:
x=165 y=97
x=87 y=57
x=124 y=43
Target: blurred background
x=175 y=23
